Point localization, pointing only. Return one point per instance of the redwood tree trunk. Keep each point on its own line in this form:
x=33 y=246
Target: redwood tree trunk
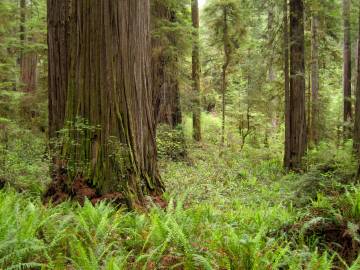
x=314 y=125
x=165 y=68
x=196 y=71
x=108 y=104
x=357 y=104
x=58 y=58
x=227 y=52
x=28 y=58
x=297 y=86
x=286 y=85
x=347 y=70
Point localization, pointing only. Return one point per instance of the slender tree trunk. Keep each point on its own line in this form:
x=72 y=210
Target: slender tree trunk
x=227 y=53
x=347 y=70
x=357 y=104
x=270 y=40
x=314 y=133
x=286 y=85
x=196 y=71
x=297 y=86
x=28 y=59
x=22 y=26
x=109 y=109
x=165 y=68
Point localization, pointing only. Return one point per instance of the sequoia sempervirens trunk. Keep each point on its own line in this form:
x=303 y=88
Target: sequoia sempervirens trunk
x=297 y=131
x=28 y=58
x=165 y=67
x=347 y=70
x=196 y=71
x=286 y=84
x=357 y=104
x=314 y=125
x=105 y=87
x=58 y=55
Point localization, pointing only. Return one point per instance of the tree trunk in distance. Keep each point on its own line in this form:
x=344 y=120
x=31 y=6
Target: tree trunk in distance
x=196 y=71
x=347 y=70
x=227 y=52
x=165 y=70
x=356 y=134
x=28 y=60
x=298 y=136
x=286 y=85
x=314 y=133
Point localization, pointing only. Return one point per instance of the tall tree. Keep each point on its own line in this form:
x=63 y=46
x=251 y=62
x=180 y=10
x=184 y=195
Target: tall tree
x=314 y=124
x=347 y=69
x=28 y=58
x=58 y=58
x=297 y=132
x=109 y=122
x=196 y=71
x=165 y=64
x=286 y=84
x=357 y=104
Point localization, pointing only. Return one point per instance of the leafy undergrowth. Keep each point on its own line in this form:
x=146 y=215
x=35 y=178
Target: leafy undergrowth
x=229 y=213
x=240 y=211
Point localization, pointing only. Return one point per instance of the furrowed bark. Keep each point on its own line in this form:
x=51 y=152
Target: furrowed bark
x=109 y=119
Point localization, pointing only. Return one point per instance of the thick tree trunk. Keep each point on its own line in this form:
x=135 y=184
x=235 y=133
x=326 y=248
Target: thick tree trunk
x=28 y=59
x=314 y=124
x=58 y=58
x=165 y=71
x=297 y=86
x=347 y=70
x=196 y=71
x=357 y=104
x=110 y=138
x=286 y=85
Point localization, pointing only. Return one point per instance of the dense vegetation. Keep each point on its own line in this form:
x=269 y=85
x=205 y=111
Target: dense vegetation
x=255 y=162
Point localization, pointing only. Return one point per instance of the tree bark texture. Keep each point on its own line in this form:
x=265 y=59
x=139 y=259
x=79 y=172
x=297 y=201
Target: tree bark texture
x=58 y=58
x=314 y=125
x=286 y=84
x=196 y=70
x=28 y=59
x=298 y=134
x=107 y=90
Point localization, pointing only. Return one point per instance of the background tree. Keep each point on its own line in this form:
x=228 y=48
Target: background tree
x=297 y=144
x=356 y=143
x=347 y=69
x=168 y=48
x=109 y=135
x=223 y=19
x=314 y=125
x=28 y=56
x=196 y=70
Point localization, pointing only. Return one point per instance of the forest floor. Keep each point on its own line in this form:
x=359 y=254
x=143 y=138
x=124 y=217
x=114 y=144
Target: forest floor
x=240 y=211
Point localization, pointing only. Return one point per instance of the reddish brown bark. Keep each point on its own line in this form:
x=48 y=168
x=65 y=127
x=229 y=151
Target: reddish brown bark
x=297 y=132
x=196 y=71
x=106 y=79
x=28 y=58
